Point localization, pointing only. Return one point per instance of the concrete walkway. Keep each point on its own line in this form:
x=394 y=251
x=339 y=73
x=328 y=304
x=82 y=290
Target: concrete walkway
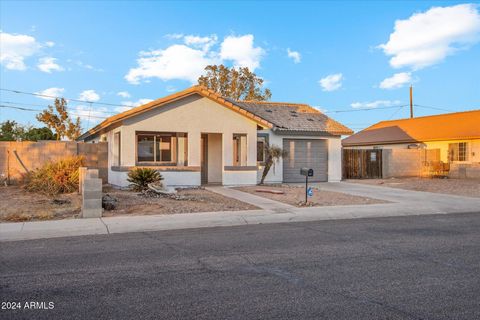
x=258 y=201
x=403 y=202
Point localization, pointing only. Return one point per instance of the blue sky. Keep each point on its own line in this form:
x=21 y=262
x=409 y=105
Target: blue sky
x=337 y=56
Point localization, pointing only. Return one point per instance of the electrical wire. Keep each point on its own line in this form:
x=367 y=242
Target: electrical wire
x=36 y=110
x=70 y=99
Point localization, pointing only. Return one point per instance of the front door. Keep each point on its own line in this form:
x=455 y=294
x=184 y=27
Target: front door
x=204 y=157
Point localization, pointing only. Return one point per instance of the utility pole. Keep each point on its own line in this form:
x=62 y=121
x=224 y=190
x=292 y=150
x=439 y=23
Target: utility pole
x=411 y=101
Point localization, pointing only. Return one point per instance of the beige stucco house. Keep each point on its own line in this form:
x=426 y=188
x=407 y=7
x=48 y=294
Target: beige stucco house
x=197 y=137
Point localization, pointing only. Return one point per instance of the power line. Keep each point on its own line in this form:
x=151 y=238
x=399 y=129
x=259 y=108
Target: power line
x=76 y=100
x=364 y=109
x=43 y=106
x=36 y=110
x=434 y=108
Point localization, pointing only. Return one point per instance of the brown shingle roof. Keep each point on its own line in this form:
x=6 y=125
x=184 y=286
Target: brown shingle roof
x=293 y=117
x=449 y=126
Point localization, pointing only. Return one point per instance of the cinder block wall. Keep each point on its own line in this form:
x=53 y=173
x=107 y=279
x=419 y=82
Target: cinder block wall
x=464 y=171
x=406 y=162
x=401 y=162
x=17 y=158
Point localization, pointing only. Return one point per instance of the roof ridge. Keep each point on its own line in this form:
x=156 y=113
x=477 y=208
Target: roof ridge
x=429 y=116
x=271 y=102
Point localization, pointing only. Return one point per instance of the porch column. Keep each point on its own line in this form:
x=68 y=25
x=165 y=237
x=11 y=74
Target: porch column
x=194 y=149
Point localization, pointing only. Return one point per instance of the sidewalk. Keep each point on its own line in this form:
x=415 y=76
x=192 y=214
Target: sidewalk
x=404 y=202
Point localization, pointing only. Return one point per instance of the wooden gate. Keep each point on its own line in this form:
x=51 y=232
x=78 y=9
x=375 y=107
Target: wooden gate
x=362 y=164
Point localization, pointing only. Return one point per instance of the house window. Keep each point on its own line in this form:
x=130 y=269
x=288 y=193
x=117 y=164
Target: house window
x=162 y=148
x=116 y=149
x=239 y=149
x=261 y=144
x=458 y=151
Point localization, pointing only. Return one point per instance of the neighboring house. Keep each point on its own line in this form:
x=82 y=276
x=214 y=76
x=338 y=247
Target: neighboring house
x=197 y=137
x=456 y=135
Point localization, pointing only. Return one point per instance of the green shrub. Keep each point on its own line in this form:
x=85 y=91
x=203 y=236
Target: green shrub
x=139 y=178
x=55 y=177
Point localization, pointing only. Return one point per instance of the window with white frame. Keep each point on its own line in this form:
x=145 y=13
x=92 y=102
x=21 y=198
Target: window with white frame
x=162 y=148
x=116 y=148
x=239 y=149
x=458 y=151
x=261 y=145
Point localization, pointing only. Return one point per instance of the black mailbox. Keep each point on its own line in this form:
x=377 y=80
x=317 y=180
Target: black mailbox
x=306 y=172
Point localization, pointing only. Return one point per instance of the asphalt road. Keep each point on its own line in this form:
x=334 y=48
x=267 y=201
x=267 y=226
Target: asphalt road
x=422 y=267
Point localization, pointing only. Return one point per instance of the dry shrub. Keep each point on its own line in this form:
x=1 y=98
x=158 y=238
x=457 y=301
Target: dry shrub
x=17 y=217
x=55 y=177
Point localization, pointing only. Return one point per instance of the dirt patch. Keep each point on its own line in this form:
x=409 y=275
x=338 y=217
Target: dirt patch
x=20 y=205
x=192 y=200
x=295 y=195
x=461 y=187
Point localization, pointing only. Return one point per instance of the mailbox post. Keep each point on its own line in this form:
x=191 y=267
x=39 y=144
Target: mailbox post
x=307 y=173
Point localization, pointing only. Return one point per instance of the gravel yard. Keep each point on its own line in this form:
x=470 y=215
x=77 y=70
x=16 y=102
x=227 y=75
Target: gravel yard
x=19 y=205
x=461 y=187
x=295 y=195
x=196 y=200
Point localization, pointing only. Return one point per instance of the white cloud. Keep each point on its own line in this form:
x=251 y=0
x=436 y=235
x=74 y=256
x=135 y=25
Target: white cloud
x=89 y=95
x=48 y=64
x=175 y=62
x=331 y=82
x=205 y=43
x=396 y=81
x=375 y=104
x=51 y=93
x=187 y=61
x=123 y=94
x=241 y=51
x=174 y=36
x=49 y=44
x=127 y=105
x=170 y=89
x=428 y=38
x=15 y=49
x=295 y=55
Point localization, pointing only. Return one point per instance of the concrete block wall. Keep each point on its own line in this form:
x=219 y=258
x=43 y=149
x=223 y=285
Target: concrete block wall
x=464 y=171
x=91 y=195
x=20 y=157
x=406 y=162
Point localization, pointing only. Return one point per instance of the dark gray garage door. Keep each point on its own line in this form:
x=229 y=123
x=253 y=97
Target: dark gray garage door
x=305 y=153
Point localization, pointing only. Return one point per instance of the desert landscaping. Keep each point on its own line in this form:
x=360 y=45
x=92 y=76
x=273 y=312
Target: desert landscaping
x=460 y=187
x=295 y=195
x=21 y=205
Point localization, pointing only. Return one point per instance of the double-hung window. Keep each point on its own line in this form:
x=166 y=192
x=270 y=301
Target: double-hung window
x=261 y=145
x=162 y=148
x=458 y=151
x=240 y=150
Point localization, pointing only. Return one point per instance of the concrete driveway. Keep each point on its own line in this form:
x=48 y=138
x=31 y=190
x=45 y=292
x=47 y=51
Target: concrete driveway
x=402 y=203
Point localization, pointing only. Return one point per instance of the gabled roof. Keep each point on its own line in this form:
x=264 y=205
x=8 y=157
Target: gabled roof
x=448 y=126
x=279 y=116
x=289 y=117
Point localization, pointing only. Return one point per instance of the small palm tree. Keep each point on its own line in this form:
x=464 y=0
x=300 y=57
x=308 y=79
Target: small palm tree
x=273 y=153
x=139 y=178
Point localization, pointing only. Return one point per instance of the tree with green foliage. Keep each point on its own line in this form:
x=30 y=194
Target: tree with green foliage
x=59 y=120
x=10 y=130
x=234 y=83
x=35 y=134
